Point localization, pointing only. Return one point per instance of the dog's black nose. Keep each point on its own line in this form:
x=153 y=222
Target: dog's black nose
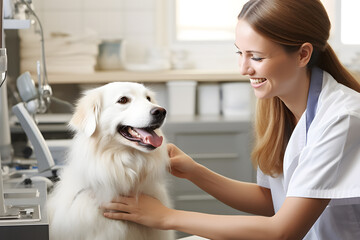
x=159 y=113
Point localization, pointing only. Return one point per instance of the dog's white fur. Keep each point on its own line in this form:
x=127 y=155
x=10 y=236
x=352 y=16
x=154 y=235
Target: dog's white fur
x=102 y=164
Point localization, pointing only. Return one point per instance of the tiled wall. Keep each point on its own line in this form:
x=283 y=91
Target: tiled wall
x=142 y=23
x=133 y=20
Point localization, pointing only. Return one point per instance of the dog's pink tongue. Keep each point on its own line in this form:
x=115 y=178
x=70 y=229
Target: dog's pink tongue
x=150 y=137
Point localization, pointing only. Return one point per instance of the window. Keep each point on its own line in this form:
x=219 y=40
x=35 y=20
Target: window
x=350 y=34
x=206 y=20
x=345 y=36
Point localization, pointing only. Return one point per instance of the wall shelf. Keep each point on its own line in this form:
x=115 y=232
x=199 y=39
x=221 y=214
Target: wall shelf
x=199 y=75
x=149 y=76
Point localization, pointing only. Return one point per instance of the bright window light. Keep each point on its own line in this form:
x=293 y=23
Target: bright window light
x=350 y=17
x=207 y=20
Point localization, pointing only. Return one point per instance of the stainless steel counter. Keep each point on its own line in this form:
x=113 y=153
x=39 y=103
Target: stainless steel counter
x=25 y=196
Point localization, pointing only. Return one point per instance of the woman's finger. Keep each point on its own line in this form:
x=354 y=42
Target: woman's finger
x=119 y=216
x=170 y=149
x=173 y=150
x=115 y=206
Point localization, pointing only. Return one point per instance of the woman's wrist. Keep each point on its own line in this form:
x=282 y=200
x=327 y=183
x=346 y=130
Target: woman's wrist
x=169 y=222
x=196 y=172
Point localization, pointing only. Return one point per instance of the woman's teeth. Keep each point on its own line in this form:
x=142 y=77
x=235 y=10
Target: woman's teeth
x=257 y=80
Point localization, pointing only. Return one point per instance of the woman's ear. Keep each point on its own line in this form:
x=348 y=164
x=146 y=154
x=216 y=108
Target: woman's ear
x=305 y=53
x=87 y=113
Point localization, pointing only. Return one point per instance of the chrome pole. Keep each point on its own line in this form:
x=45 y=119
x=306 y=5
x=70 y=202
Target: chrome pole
x=2 y=139
x=5 y=139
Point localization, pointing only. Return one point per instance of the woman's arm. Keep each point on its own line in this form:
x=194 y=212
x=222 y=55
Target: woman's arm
x=246 y=197
x=293 y=220
x=243 y=196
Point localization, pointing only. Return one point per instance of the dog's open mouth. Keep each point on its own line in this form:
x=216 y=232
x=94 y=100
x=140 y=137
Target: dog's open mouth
x=143 y=136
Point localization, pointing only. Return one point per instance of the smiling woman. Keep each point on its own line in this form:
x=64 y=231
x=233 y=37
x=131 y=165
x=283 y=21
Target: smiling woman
x=281 y=51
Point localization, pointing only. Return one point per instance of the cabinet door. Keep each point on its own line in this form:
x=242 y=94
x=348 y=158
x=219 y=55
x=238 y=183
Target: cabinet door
x=220 y=146
x=222 y=152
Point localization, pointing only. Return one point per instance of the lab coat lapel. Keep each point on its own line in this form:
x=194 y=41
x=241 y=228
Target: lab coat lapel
x=298 y=138
x=293 y=150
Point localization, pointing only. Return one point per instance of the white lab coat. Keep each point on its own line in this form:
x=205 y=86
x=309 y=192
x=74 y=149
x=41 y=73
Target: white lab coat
x=325 y=163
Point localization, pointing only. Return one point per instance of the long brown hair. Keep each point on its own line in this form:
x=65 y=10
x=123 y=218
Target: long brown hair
x=289 y=23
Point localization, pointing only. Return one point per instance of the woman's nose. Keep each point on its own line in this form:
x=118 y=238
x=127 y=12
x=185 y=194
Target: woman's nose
x=245 y=67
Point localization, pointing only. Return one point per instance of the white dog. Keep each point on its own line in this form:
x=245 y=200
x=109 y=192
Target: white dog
x=118 y=149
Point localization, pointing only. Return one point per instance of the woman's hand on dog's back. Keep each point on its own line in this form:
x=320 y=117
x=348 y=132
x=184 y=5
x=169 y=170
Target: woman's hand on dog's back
x=181 y=164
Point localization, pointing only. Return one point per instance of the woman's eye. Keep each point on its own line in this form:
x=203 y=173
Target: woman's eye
x=258 y=59
x=123 y=100
x=238 y=52
x=148 y=98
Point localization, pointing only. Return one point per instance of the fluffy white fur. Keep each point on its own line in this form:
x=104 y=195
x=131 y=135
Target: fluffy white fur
x=102 y=164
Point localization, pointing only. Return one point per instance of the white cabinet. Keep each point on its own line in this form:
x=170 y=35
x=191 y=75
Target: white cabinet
x=223 y=145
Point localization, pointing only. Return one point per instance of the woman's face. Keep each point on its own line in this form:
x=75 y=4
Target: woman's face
x=272 y=71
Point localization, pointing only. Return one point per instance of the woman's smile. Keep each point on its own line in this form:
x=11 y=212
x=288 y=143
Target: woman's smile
x=257 y=82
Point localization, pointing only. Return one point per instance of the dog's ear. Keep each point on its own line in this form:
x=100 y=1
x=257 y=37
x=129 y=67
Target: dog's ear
x=87 y=113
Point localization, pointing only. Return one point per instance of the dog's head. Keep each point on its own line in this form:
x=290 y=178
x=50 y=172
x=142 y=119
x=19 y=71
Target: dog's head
x=122 y=112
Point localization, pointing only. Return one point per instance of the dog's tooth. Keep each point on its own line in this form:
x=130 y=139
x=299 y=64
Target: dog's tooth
x=134 y=133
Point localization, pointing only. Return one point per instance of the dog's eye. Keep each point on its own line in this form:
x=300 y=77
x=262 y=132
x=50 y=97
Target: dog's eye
x=123 y=100
x=148 y=98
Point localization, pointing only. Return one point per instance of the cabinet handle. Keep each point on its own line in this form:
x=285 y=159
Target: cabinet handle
x=214 y=156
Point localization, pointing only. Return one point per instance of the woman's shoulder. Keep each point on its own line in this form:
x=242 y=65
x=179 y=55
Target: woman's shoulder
x=338 y=99
x=336 y=104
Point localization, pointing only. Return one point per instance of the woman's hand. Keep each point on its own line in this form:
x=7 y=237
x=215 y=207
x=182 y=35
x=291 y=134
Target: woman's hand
x=181 y=165
x=143 y=209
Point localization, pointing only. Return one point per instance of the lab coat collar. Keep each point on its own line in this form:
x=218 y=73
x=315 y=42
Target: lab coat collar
x=313 y=95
